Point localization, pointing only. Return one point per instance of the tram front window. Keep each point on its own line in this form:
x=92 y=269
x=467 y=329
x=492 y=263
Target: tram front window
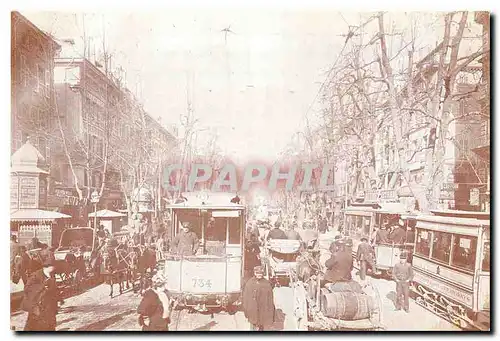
x=441 y=247
x=485 y=265
x=234 y=231
x=423 y=244
x=464 y=252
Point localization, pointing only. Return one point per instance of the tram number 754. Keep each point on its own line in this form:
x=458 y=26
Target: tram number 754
x=201 y=283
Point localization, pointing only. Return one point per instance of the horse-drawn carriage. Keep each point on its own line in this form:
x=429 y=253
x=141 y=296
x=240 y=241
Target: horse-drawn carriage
x=344 y=305
x=280 y=256
x=75 y=258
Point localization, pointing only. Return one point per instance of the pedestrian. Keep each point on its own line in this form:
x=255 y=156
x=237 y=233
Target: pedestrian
x=258 y=301
x=365 y=256
x=41 y=298
x=339 y=266
x=403 y=275
x=186 y=243
x=252 y=255
x=155 y=306
x=322 y=224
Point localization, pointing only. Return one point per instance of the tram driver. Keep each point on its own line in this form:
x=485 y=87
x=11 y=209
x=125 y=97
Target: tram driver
x=186 y=243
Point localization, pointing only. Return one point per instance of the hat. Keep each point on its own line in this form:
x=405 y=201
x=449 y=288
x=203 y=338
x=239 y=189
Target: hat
x=403 y=255
x=258 y=269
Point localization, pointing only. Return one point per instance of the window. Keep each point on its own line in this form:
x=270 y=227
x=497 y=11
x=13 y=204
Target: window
x=485 y=263
x=366 y=226
x=423 y=245
x=464 y=252
x=234 y=231
x=41 y=84
x=441 y=246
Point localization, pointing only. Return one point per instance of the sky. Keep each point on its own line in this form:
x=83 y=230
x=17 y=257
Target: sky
x=251 y=86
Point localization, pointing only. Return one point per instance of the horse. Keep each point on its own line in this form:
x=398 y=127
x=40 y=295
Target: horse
x=145 y=265
x=115 y=268
x=21 y=267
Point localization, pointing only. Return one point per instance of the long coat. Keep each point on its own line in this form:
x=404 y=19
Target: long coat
x=152 y=307
x=365 y=252
x=252 y=252
x=40 y=300
x=339 y=267
x=186 y=243
x=258 y=302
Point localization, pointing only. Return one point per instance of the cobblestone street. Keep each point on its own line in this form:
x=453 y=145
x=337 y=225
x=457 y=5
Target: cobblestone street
x=94 y=310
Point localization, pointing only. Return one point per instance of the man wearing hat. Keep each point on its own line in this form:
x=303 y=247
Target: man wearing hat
x=186 y=243
x=41 y=298
x=365 y=258
x=276 y=232
x=154 y=309
x=403 y=275
x=258 y=301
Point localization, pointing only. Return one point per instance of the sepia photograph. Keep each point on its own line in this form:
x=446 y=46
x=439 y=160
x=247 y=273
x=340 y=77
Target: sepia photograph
x=249 y=169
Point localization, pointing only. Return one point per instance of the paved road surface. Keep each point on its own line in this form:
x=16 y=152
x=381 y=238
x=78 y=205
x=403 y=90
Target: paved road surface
x=94 y=310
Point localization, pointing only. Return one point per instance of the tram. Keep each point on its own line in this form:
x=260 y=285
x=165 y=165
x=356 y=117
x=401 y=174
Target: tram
x=451 y=262
x=362 y=220
x=212 y=278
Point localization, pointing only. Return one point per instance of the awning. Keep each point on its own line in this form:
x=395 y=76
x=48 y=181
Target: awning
x=33 y=214
x=107 y=214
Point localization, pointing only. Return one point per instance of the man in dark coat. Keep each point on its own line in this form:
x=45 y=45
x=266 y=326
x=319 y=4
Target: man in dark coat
x=398 y=235
x=382 y=235
x=340 y=264
x=186 y=243
x=258 y=301
x=403 y=275
x=41 y=298
x=252 y=253
x=276 y=232
x=322 y=224
x=365 y=258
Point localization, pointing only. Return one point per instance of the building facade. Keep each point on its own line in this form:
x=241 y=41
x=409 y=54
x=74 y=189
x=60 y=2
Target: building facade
x=32 y=83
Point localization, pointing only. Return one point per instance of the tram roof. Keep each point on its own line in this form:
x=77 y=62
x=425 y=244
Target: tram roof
x=207 y=200
x=462 y=214
x=473 y=222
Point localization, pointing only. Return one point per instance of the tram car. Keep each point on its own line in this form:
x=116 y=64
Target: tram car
x=280 y=256
x=362 y=220
x=212 y=278
x=451 y=262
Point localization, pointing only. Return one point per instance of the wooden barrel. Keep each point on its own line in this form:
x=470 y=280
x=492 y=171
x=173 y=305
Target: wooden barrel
x=347 y=306
x=350 y=286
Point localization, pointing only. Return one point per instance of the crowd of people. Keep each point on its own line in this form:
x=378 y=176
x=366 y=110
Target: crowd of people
x=41 y=296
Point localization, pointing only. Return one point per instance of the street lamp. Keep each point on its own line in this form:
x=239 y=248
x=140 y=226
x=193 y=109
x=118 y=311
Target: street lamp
x=94 y=198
